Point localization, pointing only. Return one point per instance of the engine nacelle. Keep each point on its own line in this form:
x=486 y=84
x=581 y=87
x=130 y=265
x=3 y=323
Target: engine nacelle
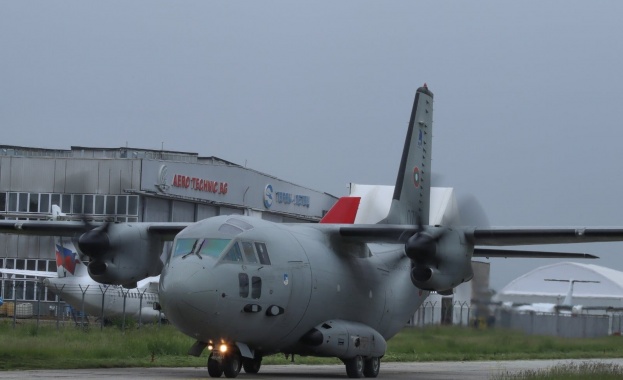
x=129 y=255
x=450 y=266
x=344 y=339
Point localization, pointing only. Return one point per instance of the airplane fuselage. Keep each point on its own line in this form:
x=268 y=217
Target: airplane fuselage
x=83 y=292
x=280 y=282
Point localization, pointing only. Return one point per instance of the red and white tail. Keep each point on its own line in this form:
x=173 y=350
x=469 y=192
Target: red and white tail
x=343 y=211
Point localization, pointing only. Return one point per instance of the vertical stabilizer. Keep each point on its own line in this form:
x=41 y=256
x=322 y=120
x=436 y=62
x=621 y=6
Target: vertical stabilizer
x=67 y=260
x=411 y=200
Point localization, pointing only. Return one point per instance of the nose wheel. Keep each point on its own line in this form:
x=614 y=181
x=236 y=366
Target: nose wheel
x=228 y=364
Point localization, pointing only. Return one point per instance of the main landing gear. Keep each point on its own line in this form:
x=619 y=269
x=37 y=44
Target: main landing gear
x=358 y=367
x=229 y=364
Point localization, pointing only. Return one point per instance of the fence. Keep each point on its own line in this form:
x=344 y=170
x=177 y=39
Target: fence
x=17 y=304
x=447 y=313
x=568 y=325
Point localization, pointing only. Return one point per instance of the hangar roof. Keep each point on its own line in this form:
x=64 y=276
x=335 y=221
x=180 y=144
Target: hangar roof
x=533 y=283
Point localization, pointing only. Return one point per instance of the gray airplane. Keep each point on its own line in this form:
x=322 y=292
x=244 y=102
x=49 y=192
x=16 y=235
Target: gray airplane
x=246 y=288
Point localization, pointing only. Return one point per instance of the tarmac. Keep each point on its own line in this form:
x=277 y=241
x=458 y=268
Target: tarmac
x=421 y=371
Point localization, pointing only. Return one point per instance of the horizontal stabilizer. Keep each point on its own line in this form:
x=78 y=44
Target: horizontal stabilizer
x=513 y=254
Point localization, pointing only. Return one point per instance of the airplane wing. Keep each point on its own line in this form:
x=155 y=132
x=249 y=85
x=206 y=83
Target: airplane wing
x=531 y=236
x=399 y=234
x=32 y=273
x=387 y=233
x=166 y=231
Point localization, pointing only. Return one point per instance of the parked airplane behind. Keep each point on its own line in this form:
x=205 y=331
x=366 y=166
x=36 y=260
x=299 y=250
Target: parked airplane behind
x=74 y=285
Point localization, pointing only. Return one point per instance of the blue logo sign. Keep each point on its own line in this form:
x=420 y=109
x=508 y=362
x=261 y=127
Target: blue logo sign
x=268 y=196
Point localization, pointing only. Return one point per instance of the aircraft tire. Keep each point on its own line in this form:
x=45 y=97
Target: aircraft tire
x=232 y=364
x=354 y=367
x=252 y=365
x=215 y=369
x=371 y=367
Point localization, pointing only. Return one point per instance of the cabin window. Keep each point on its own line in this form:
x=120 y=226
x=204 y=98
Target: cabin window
x=256 y=287
x=243 y=283
x=262 y=252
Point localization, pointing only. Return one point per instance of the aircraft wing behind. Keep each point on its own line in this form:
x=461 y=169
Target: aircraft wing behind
x=164 y=230
x=24 y=272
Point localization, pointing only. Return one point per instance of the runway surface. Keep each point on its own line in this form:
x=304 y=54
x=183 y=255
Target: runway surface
x=421 y=371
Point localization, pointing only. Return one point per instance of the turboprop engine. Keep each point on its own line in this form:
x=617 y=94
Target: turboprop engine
x=121 y=254
x=440 y=259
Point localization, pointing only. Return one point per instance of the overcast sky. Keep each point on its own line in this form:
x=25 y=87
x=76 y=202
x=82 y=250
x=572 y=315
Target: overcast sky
x=528 y=95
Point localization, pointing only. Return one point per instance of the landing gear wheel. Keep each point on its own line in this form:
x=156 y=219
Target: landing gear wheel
x=354 y=367
x=371 y=367
x=231 y=364
x=215 y=369
x=252 y=365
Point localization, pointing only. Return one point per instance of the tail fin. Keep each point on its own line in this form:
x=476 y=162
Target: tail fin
x=67 y=260
x=411 y=200
x=343 y=211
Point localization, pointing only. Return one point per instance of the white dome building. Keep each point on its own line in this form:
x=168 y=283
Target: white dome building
x=605 y=289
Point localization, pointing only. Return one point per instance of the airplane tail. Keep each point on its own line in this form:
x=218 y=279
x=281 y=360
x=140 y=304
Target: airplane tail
x=343 y=211
x=68 y=262
x=411 y=200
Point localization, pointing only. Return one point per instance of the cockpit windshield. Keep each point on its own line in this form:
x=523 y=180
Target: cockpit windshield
x=203 y=247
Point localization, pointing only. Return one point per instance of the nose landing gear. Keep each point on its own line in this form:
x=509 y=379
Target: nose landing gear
x=228 y=363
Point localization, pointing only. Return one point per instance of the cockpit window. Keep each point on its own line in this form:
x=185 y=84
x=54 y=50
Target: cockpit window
x=213 y=247
x=249 y=253
x=262 y=252
x=234 y=254
x=203 y=246
x=234 y=226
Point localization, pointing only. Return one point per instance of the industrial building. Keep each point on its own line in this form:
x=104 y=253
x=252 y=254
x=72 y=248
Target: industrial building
x=132 y=185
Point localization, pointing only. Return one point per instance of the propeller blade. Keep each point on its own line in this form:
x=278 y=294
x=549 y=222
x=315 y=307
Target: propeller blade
x=471 y=212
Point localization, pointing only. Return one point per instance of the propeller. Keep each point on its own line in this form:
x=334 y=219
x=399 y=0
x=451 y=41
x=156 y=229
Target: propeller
x=428 y=259
x=95 y=242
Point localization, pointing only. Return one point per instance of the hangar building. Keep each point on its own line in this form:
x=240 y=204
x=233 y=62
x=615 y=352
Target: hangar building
x=531 y=288
x=133 y=185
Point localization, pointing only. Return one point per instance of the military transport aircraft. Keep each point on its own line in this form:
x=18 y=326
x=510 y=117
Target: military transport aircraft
x=245 y=287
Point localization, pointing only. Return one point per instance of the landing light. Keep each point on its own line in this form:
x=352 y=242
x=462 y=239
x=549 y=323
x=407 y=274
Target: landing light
x=210 y=347
x=223 y=348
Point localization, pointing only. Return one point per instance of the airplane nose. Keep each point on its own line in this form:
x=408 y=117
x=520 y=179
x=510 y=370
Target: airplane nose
x=188 y=291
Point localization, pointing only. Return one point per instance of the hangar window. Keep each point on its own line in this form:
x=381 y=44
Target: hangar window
x=44 y=203
x=122 y=208
x=2 y=201
x=66 y=203
x=23 y=202
x=77 y=204
x=110 y=204
x=33 y=203
x=133 y=205
x=99 y=204
x=55 y=199
x=88 y=204
x=12 y=202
